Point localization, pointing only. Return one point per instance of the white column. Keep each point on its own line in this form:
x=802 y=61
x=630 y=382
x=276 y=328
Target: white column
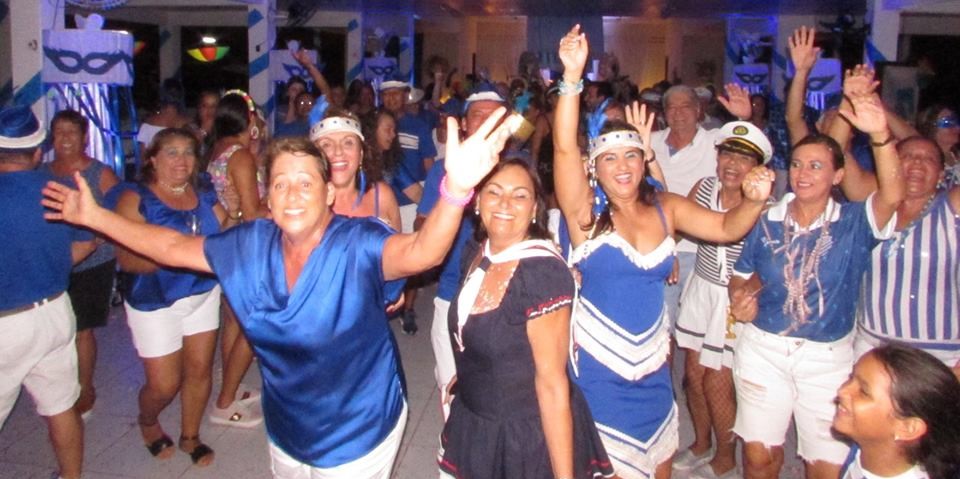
x=881 y=45
x=354 y=49
x=260 y=34
x=28 y=19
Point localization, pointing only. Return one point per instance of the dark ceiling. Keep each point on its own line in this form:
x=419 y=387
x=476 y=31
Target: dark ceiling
x=566 y=8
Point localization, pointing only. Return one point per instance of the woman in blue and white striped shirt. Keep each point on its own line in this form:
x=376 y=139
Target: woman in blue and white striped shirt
x=911 y=291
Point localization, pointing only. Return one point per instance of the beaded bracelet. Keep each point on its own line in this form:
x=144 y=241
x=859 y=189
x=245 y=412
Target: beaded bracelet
x=569 y=89
x=453 y=200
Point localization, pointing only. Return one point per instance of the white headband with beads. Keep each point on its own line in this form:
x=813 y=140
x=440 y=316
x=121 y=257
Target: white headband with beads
x=335 y=124
x=614 y=139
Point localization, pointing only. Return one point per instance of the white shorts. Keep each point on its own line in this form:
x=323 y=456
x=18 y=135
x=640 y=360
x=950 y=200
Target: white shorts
x=37 y=350
x=408 y=216
x=702 y=323
x=159 y=333
x=446 y=367
x=779 y=377
x=865 y=341
x=376 y=464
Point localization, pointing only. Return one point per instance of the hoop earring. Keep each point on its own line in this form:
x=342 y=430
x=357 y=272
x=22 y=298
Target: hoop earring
x=255 y=133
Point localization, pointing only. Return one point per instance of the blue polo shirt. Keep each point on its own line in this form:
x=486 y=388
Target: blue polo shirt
x=832 y=300
x=449 y=281
x=35 y=260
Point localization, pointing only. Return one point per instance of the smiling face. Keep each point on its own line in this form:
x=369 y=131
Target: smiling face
x=68 y=139
x=865 y=411
x=812 y=174
x=343 y=151
x=682 y=112
x=175 y=161
x=507 y=204
x=922 y=169
x=299 y=198
x=732 y=167
x=620 y=171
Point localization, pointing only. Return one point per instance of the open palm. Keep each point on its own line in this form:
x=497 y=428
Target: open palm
x=70 y=205
x=469 y=161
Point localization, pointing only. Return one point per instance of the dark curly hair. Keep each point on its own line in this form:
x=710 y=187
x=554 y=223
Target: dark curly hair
x=379 y=164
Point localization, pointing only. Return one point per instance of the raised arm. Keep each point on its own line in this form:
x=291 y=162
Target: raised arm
x=704 y=224
x=804 y=56
x=860 y=80
x=466 y=165
x=303 y=58
x=637 y=116
x=867 y=115
x=549 y=337
x=570 y=180
x=161 y=245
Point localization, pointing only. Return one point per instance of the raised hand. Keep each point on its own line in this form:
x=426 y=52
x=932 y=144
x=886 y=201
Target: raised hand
x=467 y=163
x=758 y=183
x=573 y=53
x=860 y=80
x=638 y=118
x=70 y=205
x=737 y=101
x=302 y=57
x=867 y=115
x=802 y=51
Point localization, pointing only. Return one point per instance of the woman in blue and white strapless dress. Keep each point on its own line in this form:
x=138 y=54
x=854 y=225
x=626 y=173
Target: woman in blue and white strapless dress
x=622 y=232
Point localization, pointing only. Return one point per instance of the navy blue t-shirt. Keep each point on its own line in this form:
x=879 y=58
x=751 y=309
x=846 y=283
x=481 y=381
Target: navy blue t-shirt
x=296 y=128
x=35 y=260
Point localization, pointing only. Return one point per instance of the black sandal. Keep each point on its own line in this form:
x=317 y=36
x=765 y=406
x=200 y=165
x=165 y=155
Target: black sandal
x=160 y=444
x=199 y=452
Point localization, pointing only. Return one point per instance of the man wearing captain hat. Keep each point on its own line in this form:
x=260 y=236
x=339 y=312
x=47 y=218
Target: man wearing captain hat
x=35 y=313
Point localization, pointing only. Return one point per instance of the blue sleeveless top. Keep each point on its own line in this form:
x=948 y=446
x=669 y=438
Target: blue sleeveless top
x=165 y=286
x=332 y=387
x=91 y=174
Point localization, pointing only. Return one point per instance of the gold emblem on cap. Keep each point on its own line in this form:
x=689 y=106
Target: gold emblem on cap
x=740 y=130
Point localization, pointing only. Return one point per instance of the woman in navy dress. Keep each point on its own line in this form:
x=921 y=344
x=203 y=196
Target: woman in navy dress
x=624 y=252
x=516 y=415
x=310 y=288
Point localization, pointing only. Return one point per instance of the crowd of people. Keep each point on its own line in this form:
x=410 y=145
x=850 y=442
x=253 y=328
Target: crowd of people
x=578 y=231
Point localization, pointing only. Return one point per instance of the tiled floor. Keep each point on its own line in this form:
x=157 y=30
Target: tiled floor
x=114 y=448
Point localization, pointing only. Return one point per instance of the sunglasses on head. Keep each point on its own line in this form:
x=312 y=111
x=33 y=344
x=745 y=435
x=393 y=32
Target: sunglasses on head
x=948 y=122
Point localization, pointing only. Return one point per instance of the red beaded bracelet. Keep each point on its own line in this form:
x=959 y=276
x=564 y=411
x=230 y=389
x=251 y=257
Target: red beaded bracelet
x=461 y=202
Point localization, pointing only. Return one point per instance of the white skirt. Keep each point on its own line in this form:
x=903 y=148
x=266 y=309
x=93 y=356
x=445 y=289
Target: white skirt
x=702 y=323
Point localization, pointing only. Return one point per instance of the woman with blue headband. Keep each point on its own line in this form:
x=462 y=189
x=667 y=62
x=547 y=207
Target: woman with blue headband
x=622 y=229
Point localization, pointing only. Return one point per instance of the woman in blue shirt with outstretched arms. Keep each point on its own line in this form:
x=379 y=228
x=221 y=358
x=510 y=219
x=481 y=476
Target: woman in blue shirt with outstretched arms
x=309 y=288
